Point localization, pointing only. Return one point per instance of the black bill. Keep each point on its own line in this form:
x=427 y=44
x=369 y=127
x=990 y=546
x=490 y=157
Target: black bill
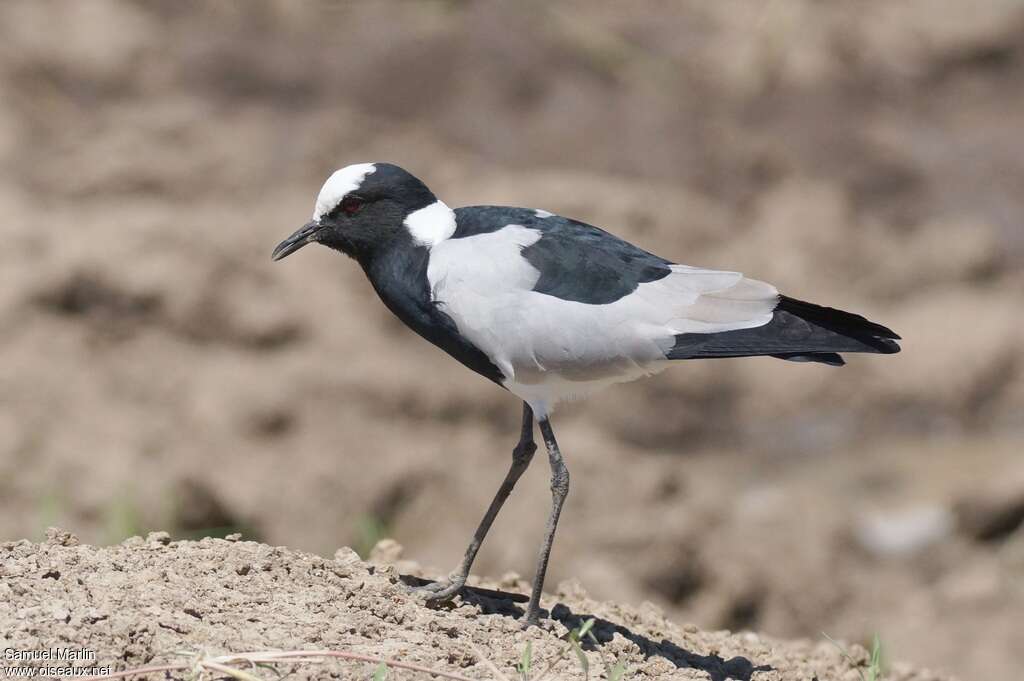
x=296 y=240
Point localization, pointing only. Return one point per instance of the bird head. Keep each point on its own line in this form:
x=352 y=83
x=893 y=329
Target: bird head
x=363 y=208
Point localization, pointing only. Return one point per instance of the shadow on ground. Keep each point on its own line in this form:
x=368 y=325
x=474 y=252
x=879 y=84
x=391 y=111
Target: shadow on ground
x=497 y=602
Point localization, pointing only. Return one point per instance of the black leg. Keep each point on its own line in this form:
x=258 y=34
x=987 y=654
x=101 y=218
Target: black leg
x=559 y=490
x=521 y=457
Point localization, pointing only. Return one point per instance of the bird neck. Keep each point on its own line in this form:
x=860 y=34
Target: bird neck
x=399 y=275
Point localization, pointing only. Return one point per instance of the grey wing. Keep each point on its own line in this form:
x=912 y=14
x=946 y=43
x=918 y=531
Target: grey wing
x=551 y=295
x=724 y=313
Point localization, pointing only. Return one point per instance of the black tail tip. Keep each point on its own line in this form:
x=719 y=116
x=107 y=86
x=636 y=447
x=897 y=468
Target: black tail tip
x=888 y=345
x=879 y=338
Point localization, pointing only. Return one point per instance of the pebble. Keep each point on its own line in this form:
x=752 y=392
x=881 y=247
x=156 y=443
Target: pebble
x=904 y=531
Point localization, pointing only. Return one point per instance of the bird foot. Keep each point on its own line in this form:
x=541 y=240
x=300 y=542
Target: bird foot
x=441 y=591
x=527 y=622
x=535 y=616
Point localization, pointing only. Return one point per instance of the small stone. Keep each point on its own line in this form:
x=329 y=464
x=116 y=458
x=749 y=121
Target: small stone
x=386 y=551
x=389 y=572
x=904 y=531
x=162 y=538
x=658 y=666
x=346 y=556
x=58 y=537
x=234 y=536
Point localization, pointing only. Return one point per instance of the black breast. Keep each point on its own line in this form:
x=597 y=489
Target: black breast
x=400 y=279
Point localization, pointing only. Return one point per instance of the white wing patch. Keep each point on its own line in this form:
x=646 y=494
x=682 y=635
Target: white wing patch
x=550 y=349
x=711 y=301
x=432 y=224
x=340 y=183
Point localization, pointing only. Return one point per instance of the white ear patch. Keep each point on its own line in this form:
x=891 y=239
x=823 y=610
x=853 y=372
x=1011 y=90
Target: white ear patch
x=340 y=183
x=432 y=224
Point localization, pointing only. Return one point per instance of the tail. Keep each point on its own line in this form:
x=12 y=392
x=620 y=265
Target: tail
x=798 y=332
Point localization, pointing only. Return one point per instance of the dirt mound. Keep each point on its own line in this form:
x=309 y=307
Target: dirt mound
x=143 y=602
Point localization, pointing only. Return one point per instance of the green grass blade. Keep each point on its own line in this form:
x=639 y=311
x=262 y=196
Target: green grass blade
x=584 y=629
x=582 y=657
x=525 y=660
x=875 y=670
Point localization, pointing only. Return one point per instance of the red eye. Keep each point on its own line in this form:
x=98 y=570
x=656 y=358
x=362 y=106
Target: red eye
x=351 y=205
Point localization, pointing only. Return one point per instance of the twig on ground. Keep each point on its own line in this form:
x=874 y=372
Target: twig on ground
x=222 y=664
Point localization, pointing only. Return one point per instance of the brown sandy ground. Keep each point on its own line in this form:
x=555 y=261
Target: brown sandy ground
x=146 y=601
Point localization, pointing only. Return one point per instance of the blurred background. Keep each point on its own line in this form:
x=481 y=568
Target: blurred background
x=158 y=372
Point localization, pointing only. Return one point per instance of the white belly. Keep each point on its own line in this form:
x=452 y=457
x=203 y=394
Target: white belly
x=542 y=390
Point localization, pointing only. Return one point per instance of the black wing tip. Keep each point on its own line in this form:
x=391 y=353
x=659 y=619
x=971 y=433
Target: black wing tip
x=888 y=345
x=882 y=332
x=799 y=332
x=881 y=338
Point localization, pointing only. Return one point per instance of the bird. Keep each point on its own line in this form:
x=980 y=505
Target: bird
x=550 y=308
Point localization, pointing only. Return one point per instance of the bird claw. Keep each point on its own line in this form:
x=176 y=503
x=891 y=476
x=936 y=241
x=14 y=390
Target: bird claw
x=441 y=591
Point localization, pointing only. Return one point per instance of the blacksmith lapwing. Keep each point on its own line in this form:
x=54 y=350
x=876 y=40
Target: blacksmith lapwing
x=551 y=308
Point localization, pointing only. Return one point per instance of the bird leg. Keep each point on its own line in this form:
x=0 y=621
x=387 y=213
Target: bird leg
x=438 y=592
x=559 y=490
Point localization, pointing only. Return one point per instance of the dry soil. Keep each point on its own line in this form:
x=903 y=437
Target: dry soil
x=152 y=601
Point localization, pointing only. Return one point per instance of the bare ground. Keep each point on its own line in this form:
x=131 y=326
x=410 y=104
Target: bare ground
x=149 y=602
